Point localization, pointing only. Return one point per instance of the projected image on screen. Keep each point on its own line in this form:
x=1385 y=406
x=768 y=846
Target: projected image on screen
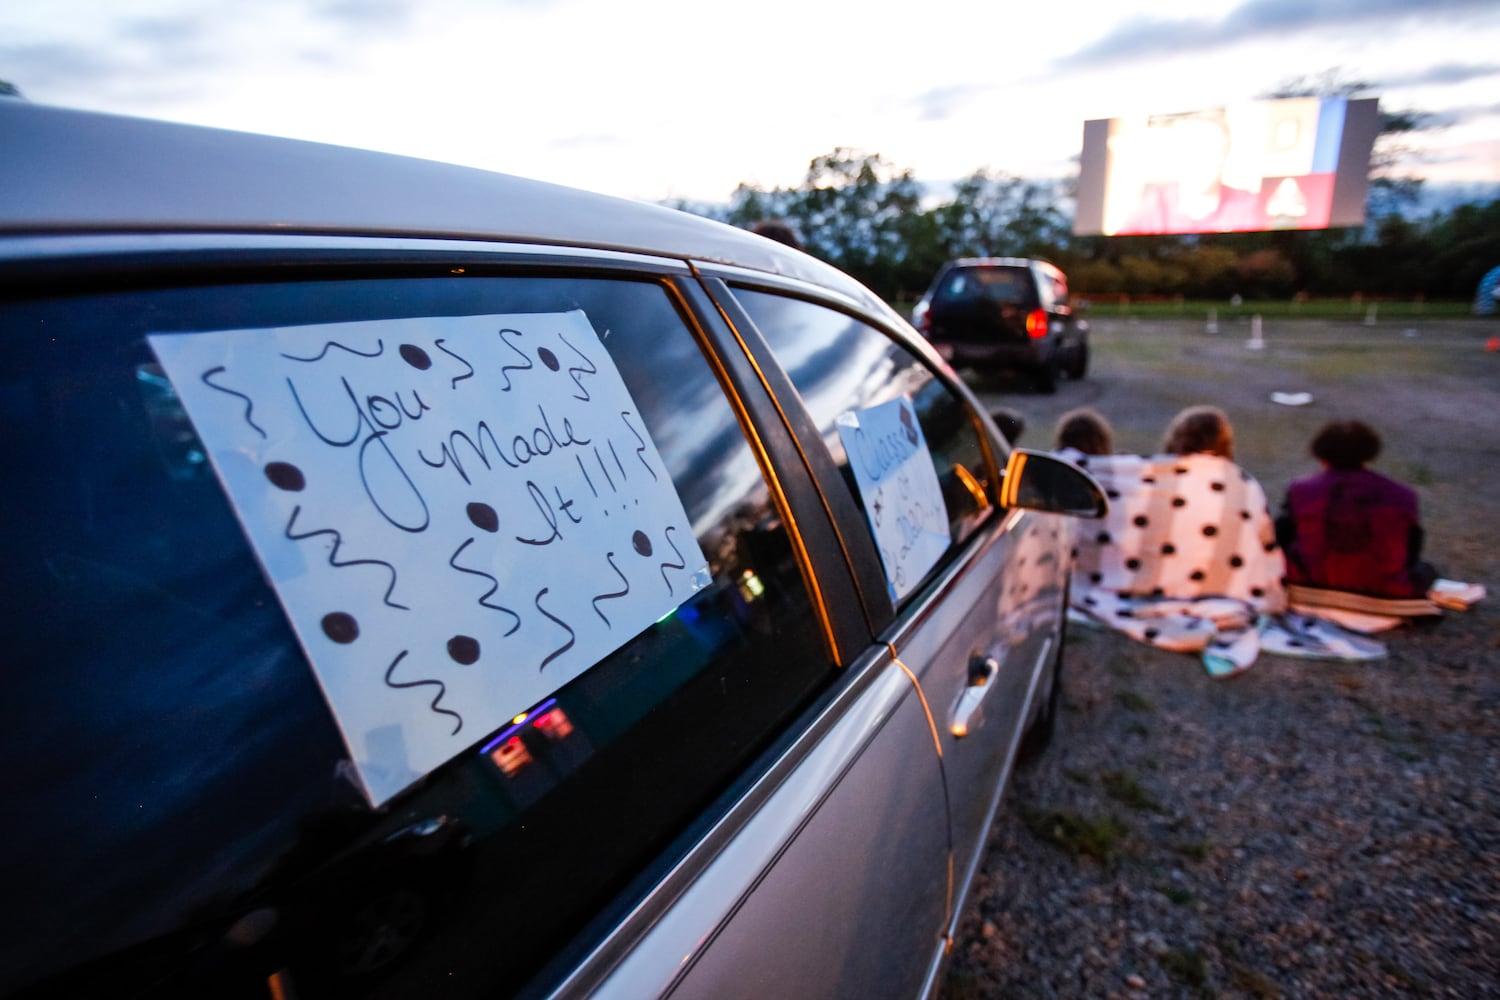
x=1288 y=164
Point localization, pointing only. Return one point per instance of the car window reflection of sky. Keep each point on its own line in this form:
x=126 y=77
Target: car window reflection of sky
x=573 y=90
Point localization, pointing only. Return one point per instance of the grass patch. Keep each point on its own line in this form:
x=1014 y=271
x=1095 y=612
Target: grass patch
x=1418 y=474
x=1123 y=787
x=1099 y=839
x=1255 y=984
x=1195 y=850
x=1186 y=966
x=1134 y=702
x=1176 y=894
x=1409 y=748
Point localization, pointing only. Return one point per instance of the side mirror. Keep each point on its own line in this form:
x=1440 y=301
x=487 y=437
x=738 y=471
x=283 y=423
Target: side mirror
x=1035 y=480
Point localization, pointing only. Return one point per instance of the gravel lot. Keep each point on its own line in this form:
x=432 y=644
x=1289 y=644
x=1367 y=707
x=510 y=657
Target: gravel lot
x=1310 y=828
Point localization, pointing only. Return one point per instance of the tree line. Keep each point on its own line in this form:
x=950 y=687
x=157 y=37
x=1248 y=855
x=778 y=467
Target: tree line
x=874 y=220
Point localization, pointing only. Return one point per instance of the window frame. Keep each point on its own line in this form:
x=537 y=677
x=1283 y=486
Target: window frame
x=878 y=608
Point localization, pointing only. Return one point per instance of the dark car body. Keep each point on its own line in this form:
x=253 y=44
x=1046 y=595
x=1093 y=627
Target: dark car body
x=1005 y=314
x=425 y=582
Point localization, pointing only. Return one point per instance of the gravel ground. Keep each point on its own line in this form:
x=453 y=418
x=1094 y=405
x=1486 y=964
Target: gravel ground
x=1310 y=828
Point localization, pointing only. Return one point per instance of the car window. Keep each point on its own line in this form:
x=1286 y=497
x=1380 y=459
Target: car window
x=191 y=808
x=846 y=371
x=1052 y=286
x=972 y=285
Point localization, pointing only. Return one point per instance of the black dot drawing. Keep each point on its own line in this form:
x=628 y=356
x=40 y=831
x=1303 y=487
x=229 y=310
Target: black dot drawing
x=1132 y=564
x=1236 y=562
x=1148 y=479
x=463 y=649
x=1152 y=633
x=1074 y=554
x=1181 y=470
x=641 y=543
x=286 y=476
x=341 y=627
x=1158 y=592
x=1126 y=612
x=416 y=357
x=1244 y=515
x=1083 y=461
x=1216 y=487
x=1090 y=601
x=1210 y=531
x=1103 y=538
x=1141 y=520
x=483 y=517
x=548 y=358
x=1179 y=502
x=1096 y=577
x=1112 y=494
x=1168 y=549
x=1257 y=592
x=1198 y=574
x=1270 y=546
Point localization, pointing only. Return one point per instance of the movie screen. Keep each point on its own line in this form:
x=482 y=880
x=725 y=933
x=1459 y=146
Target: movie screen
x=1300 y=163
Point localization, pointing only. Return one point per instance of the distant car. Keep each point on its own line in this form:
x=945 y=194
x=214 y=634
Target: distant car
x=1005 y=314
x=424 y=582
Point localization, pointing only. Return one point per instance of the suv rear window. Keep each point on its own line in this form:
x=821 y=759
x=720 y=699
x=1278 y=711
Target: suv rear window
x=969 y=285
x=192 y=819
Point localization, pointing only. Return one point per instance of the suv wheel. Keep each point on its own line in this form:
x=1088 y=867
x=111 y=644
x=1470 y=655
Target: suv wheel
x=1046 y=377
x=1078 y=361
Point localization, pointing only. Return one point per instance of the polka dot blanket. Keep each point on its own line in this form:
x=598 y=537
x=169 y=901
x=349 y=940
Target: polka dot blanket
x=1186 y=559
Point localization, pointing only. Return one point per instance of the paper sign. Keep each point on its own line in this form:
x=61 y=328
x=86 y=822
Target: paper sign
x=899 y=488
x=459 y=515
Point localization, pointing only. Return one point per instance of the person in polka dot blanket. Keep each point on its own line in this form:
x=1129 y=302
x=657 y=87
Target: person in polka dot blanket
x=1186 y=559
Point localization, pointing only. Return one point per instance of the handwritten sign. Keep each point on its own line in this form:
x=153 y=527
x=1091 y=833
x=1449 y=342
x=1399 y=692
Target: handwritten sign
x=459 y=515
x=899 y=487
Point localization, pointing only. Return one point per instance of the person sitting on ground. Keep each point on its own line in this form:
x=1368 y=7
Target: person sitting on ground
x=1350 y=529
x=1200 y=430
x=1083 y=432
x=1186 y=557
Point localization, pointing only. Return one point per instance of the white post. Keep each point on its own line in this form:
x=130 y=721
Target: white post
x=1213 y=322
x=1370 y=315
x=1256 y=341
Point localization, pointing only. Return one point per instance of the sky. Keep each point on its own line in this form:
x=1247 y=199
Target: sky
x=682 y=99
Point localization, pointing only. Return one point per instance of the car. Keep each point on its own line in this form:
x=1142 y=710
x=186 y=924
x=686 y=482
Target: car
x=996 y=314
x=424 y=581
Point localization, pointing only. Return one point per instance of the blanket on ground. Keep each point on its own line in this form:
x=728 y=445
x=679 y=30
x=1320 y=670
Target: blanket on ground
x=1186 y=559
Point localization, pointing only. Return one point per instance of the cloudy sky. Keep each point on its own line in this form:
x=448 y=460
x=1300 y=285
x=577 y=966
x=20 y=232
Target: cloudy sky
x=660 y=99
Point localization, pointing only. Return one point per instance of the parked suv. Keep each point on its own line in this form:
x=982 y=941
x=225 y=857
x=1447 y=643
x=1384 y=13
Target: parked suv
x=424 y=582
x=1005 y=313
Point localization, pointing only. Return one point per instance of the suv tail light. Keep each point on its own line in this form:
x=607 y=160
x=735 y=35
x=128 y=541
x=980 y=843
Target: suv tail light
x=1036 y=324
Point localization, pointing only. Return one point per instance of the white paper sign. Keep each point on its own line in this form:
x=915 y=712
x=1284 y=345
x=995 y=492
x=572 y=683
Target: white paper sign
x=459 y=515
x=899 y=488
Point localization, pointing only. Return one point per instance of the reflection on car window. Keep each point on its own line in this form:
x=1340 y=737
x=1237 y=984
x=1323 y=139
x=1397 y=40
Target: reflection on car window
x=191 y=822
x=839 y=364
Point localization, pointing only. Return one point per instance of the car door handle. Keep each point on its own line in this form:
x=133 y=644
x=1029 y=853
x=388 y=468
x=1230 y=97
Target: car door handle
x=966 y=715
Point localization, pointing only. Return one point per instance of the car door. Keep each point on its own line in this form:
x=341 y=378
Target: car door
x=203 y=816
x=977 y=621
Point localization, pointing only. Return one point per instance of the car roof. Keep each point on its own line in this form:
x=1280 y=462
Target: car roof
x=68 y=171
x=995 y=262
